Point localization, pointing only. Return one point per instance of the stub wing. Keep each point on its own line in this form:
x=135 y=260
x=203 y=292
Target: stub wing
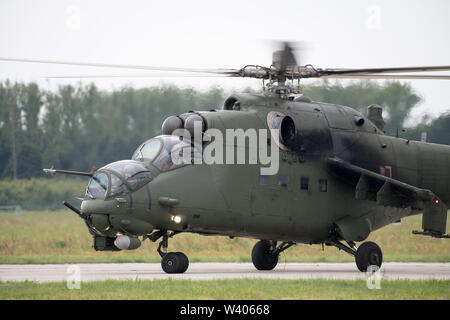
x=386 y=191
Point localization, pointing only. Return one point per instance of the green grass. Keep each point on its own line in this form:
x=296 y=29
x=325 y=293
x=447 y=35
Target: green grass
x=229 y=289
x=61 y=237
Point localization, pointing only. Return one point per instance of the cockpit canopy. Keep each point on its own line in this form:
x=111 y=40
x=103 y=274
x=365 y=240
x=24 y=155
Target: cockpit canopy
x=126 y=176
x=161 y=151
x=117 y=178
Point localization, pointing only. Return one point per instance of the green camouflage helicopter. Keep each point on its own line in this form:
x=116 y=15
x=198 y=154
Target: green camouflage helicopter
x=331 y=177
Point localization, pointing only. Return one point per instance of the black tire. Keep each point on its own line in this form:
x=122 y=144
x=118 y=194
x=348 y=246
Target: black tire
x=171 y=262
x=262 y=258
x=368 y=254
x=184 y=265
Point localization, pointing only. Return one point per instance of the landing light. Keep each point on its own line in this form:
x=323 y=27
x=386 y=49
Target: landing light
x=176 y=219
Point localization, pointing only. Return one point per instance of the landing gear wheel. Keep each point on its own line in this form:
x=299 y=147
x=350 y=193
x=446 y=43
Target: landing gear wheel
x=171 y=263
x=262 y=257
x=184 y=262
x=175 y=262
x=368 y=254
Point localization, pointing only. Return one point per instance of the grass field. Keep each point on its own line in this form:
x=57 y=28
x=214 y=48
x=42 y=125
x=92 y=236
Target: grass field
x=241 y=289
x=61 y=237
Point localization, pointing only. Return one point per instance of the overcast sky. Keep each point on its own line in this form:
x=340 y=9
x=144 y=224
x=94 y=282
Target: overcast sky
x=223 y=34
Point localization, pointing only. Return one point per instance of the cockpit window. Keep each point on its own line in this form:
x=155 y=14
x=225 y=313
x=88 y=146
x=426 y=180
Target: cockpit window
x=167 y=152
x=164 y=161
x=139 y=179
x=148 y=150
x=134 y=173
x=117 y=186
x=98 y=185
x=175 y=153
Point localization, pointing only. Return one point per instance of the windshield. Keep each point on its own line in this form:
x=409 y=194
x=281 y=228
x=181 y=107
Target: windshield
x=98 y=185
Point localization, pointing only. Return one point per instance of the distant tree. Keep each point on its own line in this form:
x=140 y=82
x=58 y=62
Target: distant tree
x=11 y=119
x=52 y=131
x=438 y=130
x=29 y=163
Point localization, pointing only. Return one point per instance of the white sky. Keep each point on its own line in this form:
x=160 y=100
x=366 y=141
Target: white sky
x=223 y=34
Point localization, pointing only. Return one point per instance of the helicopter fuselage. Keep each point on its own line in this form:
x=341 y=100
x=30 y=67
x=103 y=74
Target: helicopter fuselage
x=303 y=202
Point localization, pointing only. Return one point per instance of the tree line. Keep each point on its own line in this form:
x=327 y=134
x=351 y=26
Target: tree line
x=78 y=127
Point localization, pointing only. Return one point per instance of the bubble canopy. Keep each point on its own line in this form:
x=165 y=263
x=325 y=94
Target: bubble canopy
x=117 y=178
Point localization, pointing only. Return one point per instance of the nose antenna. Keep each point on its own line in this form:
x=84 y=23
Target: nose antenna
x=77 y=173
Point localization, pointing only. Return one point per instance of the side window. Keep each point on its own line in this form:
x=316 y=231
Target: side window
x=117 y=186
x=282 y=180
x=323 y=185
x=304 y=183
x=263 y=180
x=150 y=150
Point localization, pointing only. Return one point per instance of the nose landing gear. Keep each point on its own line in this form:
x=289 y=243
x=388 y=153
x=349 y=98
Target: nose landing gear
x=174 y=262
x=171 y=262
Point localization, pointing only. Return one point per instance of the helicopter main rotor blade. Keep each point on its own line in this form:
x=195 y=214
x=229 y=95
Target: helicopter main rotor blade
x=388 y=76
x=229 y=72
x=284 y=67
x=157 y=75
x=325 y=72
x=367 y=73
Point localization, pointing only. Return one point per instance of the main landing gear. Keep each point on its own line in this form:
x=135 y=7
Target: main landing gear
x=265 y=253
x=171 y=262
x=366 y=255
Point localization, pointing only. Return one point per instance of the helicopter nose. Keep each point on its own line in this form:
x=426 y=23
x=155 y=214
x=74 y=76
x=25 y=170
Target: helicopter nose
x=84 y=207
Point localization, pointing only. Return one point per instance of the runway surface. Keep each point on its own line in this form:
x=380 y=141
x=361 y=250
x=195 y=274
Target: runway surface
x=208 y=271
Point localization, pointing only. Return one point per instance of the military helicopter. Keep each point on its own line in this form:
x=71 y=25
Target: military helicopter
x=339 y=176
